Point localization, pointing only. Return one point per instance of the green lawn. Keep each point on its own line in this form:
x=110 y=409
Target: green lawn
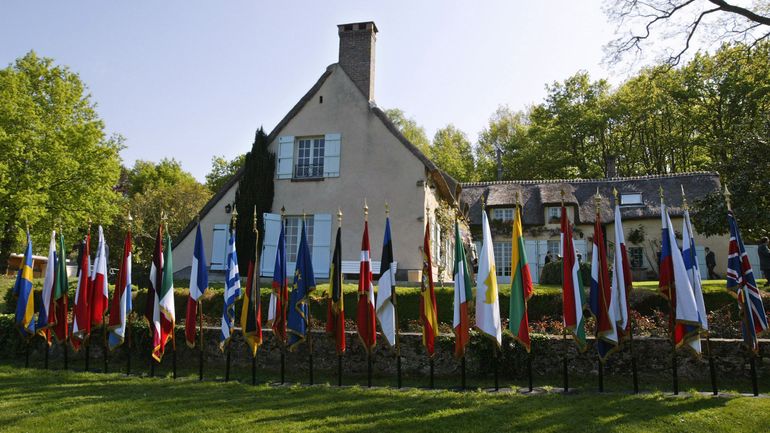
x=47 y=401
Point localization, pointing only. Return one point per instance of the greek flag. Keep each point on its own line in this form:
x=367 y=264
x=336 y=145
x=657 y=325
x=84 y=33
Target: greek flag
x=232 y=292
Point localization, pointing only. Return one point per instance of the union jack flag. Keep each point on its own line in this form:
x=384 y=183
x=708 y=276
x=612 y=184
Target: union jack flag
x=740 y=280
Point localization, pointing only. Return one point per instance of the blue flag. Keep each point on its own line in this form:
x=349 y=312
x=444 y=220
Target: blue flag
x=232 y=292
x=22 y=289
x=304 y=283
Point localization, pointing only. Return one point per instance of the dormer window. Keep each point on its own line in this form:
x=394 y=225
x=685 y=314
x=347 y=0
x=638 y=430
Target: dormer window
x=553 y=214
x=503 y=214
x=631 y=199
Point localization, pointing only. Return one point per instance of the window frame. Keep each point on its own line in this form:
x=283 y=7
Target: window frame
x=632 y=253
x=625 y=197
x=293 y=232
x=309 y=157
x=503 y=253
x=504 y=214
x=551 y=215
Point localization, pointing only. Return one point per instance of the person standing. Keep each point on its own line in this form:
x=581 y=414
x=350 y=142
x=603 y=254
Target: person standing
x=711 y=263
x=764 y=260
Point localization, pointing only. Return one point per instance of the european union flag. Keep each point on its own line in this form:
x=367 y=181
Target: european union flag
x=304 y=283
x=22 y=289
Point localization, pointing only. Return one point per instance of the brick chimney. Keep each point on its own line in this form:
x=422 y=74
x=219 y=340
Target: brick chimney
x=357 y=54
x=611 y=166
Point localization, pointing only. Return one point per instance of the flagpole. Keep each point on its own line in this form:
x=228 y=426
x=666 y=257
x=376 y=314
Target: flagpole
x=564 y=331
x=529 y=369
x=200 y=344
x=597 y=202
x=283 y=307
x=106 y=347
x=309 y=325
x=671 y=319
x=393 y=300
x=634 y=371
x=87 y=341
x=26 y=353
x=254 y=297
x=368 y=347
x=47 y=349
x=342 y=294
x=128 y=345
x=66 y=354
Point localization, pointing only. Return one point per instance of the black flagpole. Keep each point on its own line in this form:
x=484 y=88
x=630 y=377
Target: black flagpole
x=462 y=370
x=497 y=382
x=369 y=367
x=88 y=354
x=254 y=369
x=173 y=353
x=566 y=361
x=309 y=341
x=283 y=362
x=26 y=354
x=47 y=349
x=674 y=366
x=152 y=366
x=106 y=346
x=200 y=344
x=529 y=369
x=431 y=373
x=634 y=371
x=601 y=375
x=712 y=367
x=753 y=365
x=66 y=355
x=339 y=369
x=128 y=346
x=227 y=366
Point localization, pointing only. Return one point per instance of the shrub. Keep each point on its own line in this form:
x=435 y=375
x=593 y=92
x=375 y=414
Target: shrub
x=552 y=273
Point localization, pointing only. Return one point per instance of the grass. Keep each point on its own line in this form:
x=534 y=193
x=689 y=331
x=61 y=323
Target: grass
x=55 y=401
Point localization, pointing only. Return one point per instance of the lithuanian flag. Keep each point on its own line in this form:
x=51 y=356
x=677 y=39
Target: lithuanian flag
x=521 y=285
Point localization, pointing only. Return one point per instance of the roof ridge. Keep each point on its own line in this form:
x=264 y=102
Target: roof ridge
x=580 y=180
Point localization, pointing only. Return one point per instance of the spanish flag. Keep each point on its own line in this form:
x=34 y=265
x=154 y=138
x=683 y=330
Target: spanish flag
x=428 y=312
x=22 y=289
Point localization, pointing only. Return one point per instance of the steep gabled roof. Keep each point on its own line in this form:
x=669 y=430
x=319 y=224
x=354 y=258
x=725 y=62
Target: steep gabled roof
x=579 y=193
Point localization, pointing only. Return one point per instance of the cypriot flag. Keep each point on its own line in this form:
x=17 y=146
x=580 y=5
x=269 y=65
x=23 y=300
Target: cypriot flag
x=487 y=303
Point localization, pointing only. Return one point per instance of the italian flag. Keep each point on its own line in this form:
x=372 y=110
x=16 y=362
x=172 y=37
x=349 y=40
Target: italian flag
x=521 y=285
x=165 y=298
x=572 y=285
x=462 y=278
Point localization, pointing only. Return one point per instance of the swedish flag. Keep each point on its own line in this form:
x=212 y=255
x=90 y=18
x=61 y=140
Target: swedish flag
x=22 y=289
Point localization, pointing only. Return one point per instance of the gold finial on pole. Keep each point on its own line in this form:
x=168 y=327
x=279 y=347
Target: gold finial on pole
x=518 y=199
x=387 y=210
x=339 y=216
x=727 y=199
x=562 y=197
x=164 y=220
x=597 y=200
x=283 y=211
x=26 y=223
x=89 y=225
x=660 y=193
x=366 y=210
x=254 y=223
x=129 y=220
x=615 y=195
x=483 y=203
x=684 y=199
x=234 y=217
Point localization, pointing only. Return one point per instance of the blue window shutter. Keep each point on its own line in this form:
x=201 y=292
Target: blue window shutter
x=218 y=247
x=322 y=235
x=332 y=155
x=270 y=243
x=285 y=159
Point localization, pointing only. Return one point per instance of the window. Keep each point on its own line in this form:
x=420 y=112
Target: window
x=293 y=233
x=553 y=213
x=630 y=199
x=309 y=161
x=554 y=247
x=503 y=214
x=502 y=258
x=636 y=257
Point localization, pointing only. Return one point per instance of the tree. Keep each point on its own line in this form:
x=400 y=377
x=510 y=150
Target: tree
x=451 y=151
x=58 y=168
x=411 y=130
x=222 y=171
x=507 y=131
x=147 y=175
x=682 y=22
x=255 y=192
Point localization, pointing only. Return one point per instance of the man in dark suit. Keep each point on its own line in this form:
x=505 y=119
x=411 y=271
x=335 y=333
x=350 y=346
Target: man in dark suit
x=711 y=263
x=764 y=259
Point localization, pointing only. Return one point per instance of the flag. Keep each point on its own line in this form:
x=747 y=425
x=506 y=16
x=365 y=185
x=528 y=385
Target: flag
x=232 y=292
x=365 y=319
x=165 y=310
x=601 y=296
x=460 y=322
x=199 y=282
x=741 y=283
x=521 y=285
x=675 y=286
x=572 y=285
x=99 y=287
x=693 y=272
x=151 y=311
x=487 y=302
x=45 y=317
x=279 y=296
x=251 y=316
x=60 y=324
x=121 y=298
x=386 y=309
x=621 y=280
x=25 y=296
x=81 y=314
x=335 y=317
x=304 y=283
x=428 y=311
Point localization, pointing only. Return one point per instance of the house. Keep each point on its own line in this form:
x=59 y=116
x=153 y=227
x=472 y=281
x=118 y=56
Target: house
x=640 y=209
x=337 y=149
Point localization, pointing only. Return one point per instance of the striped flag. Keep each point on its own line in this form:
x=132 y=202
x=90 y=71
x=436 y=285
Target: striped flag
x=601 y=296
x=166 y=310
x=487 y=301
x=460 y=321
x=121 y=298
x=365 y=318
x=232 y=293
x=25 y=297
x=279 y=296
x=386 y=310
x=99 y=287
x=741 y=283
x=251 y=314
x=60 y=324
x=675 y=285
x=335 y=317
x=304 y=283
x=199 y=282
x=521 y=285
x=152 y=311
x=621 y=280
x=45 y=317
x=693 y=272
x=572 y=285
x=428 y=311
x=81 y=315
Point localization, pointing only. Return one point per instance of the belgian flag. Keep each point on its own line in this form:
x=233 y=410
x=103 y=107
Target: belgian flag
x=335 y=322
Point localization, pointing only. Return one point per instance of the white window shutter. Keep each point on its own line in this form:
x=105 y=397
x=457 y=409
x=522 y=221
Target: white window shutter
x=322 y=236
x=332 y=155
x=218 y=247
x=269 y=243
x=285 y=157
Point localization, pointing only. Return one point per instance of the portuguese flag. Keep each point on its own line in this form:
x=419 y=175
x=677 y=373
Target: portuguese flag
x=521 y=285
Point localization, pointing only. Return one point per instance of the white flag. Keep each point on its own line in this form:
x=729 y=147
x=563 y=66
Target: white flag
x=487 y=302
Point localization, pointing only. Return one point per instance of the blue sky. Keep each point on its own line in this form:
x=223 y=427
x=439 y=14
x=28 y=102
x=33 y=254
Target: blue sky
x=194 y=79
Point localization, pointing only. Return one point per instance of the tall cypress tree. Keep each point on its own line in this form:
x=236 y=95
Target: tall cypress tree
x=254 y=188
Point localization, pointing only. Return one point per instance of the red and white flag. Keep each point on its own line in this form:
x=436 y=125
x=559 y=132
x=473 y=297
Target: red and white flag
x=99 y=288
x=81 y=314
